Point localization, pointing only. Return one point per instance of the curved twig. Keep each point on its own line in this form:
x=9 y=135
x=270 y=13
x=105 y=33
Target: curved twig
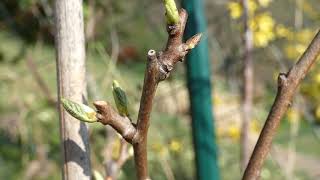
x=287 y=85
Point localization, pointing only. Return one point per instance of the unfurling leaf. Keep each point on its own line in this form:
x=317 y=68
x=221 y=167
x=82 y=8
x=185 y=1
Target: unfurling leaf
x=79 y=111
x=172 y=13
x=120 y=98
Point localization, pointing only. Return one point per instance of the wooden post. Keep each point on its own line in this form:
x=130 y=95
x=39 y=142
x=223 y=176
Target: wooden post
x=70 y=52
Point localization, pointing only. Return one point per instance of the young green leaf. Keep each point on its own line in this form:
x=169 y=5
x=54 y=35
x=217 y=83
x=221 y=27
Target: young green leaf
x=79 y=111
x=172 y=13
x=120 y=98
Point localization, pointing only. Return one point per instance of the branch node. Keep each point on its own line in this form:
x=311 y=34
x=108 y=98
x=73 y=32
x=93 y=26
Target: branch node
x=152 y=55
x=282 y=80
x=173 y=29
x=108 y=116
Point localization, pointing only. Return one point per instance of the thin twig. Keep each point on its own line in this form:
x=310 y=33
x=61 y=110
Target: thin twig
x=287 y=85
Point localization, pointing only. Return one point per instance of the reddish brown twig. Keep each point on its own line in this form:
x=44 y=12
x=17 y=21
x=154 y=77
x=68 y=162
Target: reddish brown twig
x=108 y=116
x=158 y=68
x=287 y=85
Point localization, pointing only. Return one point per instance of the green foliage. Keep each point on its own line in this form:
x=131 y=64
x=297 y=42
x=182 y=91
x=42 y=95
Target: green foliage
x=79 y=111
x=172 y=14
x=120 y=98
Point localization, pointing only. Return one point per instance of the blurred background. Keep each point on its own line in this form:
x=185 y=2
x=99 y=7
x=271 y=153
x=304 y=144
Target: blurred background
x=118 y=35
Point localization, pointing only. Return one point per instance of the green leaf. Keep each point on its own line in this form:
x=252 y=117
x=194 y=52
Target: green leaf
x=79 y=111
x=172 y=13
x=120 y=98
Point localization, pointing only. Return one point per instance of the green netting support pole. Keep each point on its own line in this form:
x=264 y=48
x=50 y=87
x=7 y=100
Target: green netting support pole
x=199 y=85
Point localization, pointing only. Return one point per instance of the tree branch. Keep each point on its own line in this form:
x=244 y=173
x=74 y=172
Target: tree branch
x=108 y=116
x=159 y=66
x=287 y=85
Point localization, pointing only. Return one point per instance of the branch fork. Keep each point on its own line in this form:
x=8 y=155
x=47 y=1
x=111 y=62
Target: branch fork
x=108 y=116
x=159 y=66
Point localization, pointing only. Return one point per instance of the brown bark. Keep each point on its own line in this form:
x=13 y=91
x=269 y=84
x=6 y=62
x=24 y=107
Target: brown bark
x=158 y=68
x=247 y=91
x=108 y=116
x=287 y=85
x=70 y=51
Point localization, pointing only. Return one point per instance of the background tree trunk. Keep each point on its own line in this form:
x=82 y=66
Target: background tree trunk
x=247 y=91
x=70 y=51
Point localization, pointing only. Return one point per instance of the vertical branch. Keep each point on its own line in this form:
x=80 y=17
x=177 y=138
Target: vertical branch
x=287 y=85
x=158 y=68
x=148 y=92
x=247 y=91
x=70 y=51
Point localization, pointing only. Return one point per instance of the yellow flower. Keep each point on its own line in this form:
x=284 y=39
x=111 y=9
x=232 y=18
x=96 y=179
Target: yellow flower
x=317 y=79
x=265 y=22
x=293 y=115
x=264 y=3
x=234 y=132
x=282 y=31
x=262 y=26
x=252 y=6
x=235 y=10
x=175 y=146
x=261 y=39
